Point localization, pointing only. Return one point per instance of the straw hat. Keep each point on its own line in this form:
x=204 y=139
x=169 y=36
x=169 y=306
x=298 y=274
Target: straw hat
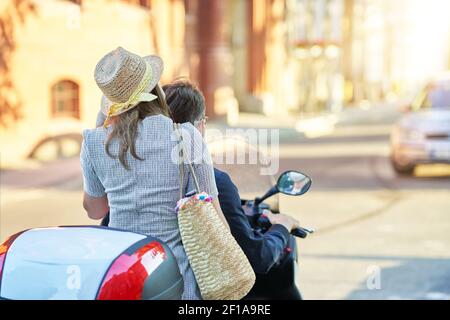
x=126 y=79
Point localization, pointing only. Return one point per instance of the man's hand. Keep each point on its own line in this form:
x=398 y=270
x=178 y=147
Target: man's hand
x=283 y=219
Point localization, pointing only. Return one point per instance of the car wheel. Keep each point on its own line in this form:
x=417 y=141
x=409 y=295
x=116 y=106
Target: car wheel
x=402 y=169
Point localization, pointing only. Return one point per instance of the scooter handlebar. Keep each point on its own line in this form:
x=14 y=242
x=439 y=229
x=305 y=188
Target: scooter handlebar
x=299 y=232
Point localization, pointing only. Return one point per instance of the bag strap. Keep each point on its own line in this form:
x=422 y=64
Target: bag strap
x=182 y=159
x=180 y=163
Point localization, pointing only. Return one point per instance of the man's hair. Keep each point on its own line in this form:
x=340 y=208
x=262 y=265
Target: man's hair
x=186 y=102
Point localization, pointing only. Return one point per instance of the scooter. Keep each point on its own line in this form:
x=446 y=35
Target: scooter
x=94 y=262
x=280 y=283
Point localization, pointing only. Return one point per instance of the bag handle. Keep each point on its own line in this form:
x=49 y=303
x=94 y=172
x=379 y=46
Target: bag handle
x=182 y=159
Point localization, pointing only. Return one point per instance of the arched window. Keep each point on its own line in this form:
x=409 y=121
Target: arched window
x=146 y=3
x=143 y=3
x=65 y=99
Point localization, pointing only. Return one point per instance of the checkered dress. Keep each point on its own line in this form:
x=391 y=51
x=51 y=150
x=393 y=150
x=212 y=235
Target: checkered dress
x=143 y=198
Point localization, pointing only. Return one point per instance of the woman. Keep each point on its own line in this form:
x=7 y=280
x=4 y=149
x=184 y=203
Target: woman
x=129 y=167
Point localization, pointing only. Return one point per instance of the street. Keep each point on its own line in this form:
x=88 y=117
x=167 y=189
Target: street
x=378 y=236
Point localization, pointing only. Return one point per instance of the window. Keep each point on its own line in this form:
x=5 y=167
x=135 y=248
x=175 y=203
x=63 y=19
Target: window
x=438 y=98
x=143 y=3
x=65 y=99
x=434 y=96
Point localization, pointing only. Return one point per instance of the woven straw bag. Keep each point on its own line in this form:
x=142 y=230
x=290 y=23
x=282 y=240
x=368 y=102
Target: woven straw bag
x=221 y=268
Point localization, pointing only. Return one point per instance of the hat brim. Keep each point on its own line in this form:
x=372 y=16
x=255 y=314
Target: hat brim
x=157 y=66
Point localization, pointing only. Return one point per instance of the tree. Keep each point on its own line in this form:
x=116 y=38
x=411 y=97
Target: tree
x=14 y=12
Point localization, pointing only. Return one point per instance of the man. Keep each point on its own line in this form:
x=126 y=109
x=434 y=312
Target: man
x=187 y=104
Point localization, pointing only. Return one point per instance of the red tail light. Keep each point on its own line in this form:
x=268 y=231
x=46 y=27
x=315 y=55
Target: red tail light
x=126 y=276
x=4 y=250
x=2 y=261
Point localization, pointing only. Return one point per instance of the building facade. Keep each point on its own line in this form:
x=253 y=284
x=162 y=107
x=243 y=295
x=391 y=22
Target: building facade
x=263 y=56
x=234 y=50
x=56 y=48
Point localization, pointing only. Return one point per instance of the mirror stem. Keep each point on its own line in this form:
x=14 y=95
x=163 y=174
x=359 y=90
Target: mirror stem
x=271 y=192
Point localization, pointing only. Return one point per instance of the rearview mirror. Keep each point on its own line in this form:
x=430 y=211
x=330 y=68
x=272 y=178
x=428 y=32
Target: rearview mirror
x=293 y=183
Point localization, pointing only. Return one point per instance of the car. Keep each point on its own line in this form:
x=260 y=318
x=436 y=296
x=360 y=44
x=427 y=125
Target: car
x=422 y=134
x=87 y=263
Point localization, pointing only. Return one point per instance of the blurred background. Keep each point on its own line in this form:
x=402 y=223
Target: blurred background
x=358 y=89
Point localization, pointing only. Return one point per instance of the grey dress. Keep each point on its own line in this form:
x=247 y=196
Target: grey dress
x=143 y=199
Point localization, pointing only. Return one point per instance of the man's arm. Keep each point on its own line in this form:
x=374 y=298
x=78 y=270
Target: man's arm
x=262 y=250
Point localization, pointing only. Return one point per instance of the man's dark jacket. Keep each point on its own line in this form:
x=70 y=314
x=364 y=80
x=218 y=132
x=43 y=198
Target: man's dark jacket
x=262 y=250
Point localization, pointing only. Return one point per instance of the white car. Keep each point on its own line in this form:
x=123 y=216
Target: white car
x=422 y=135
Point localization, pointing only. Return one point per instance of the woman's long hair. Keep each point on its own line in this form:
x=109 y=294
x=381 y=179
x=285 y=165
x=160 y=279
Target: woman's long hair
x=125 y=125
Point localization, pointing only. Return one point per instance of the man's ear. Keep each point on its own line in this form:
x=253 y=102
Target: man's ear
x=201 y=128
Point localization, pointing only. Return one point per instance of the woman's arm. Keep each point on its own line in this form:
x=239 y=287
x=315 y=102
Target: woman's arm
x=95 y=200
x=96 y=208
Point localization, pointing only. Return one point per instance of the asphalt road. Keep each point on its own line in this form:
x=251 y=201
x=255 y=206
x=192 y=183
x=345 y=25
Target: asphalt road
x=378 y=236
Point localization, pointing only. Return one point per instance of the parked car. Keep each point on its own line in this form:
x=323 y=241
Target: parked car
x=422 y=135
